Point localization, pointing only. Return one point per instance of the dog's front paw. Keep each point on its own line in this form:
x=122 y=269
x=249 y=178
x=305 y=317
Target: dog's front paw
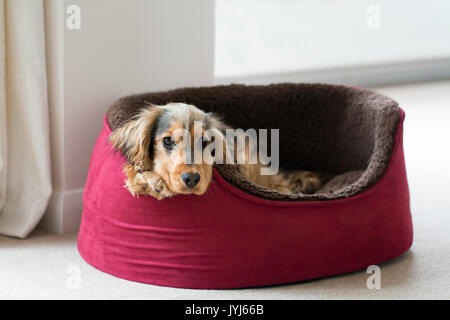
x=148 y=183
x=157 y=187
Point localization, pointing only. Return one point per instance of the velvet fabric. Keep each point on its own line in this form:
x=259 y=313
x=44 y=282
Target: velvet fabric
x=231 y=238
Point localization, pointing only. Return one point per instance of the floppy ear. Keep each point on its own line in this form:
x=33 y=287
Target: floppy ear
x=134 y=138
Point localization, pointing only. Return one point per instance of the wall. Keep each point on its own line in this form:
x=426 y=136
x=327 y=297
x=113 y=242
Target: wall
x=123 y=47
x=261 y=37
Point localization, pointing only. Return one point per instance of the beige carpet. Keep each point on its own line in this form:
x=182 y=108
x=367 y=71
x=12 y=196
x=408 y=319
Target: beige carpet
x=45 y=265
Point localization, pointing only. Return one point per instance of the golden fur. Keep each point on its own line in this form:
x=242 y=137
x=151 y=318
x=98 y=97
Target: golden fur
x=154 y=170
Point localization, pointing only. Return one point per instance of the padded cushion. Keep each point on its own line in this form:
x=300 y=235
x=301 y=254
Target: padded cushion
x=345 y=133
x=241 y=235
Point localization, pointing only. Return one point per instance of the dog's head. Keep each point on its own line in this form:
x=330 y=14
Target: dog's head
x=164 y=139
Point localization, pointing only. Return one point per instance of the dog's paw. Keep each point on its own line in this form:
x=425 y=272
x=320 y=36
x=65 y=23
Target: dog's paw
x=148 y=183
x=306 y=182
x=157 y=187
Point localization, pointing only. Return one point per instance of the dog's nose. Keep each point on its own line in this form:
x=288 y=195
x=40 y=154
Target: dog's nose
x=190 y=179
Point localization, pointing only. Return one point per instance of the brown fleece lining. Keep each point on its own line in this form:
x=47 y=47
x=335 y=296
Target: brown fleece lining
x=345 y=133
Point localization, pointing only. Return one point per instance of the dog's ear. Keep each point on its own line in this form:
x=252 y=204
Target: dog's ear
x=134 y=138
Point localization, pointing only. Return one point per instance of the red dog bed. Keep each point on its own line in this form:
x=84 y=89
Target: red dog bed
x=239 y=234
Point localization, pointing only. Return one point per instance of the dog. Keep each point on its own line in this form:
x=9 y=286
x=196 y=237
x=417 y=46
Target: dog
x=159 y=163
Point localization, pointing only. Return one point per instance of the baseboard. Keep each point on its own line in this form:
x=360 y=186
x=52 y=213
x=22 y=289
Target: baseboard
x=64 y=212
x=367 y=75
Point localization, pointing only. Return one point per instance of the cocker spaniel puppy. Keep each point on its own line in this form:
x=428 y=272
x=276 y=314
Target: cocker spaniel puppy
x=161 y=142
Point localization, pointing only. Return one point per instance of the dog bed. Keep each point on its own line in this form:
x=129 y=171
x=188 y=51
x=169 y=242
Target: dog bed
x=239 y=234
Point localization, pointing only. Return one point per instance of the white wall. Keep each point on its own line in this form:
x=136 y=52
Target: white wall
x=123 y=47
x=257 y=37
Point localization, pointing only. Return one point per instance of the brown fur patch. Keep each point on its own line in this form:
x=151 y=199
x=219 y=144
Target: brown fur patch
x=133 y=139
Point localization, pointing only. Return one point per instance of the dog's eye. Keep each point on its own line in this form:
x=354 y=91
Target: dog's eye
x=168 y=143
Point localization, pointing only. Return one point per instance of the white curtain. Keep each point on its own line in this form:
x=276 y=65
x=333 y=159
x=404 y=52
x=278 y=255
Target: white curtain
x=25 y=176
